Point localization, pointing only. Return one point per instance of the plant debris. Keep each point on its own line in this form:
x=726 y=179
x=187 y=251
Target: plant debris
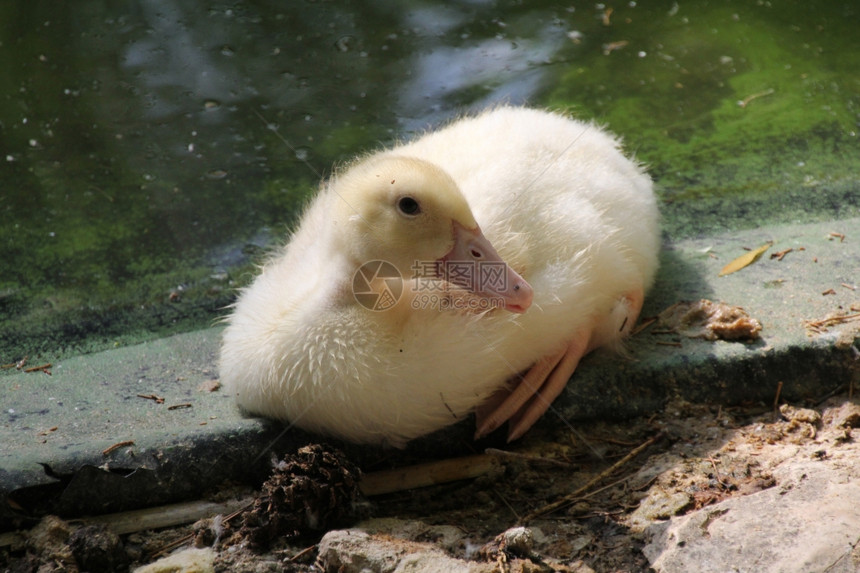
x=781 y=254
x=154 y=397
x=711 y=321
x=746 y=101
x=46 y=368
x=313 y=490
x=745 y=260
x=821 y=325
x=117 y=446
x=210 y=385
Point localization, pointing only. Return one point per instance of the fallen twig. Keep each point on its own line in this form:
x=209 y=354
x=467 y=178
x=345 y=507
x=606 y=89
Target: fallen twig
x=776 y=400
x=117 y=446
x=607 y=15
x=301 y=554
x=507 y=503
x=612 y=46
x=527 y=457
x=645 y=323
x=549 y=508
x=166 y=515
x=245 y=504
x=746 y=101
x=153 y=517
x=822 y=324
x=781 y=254
x=42 y=367
x=717 y=472
x=423 y=475
x=18 y=365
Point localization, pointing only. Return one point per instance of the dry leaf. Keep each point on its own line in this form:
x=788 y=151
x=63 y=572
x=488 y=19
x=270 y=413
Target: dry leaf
x=745 y=260
x=711 y=321
x=209 y=386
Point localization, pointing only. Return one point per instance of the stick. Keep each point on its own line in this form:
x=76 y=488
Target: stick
x=776 y=400
x=117 y=446
x=527 y=457
x=423 y=475
x=152 y=517
x=301 y=554
x=37 y=368
x=166 y=515
x=572 y=496
x=745 y=102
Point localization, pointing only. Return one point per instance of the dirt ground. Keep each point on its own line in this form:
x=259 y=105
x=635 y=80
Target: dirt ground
x=692 y=457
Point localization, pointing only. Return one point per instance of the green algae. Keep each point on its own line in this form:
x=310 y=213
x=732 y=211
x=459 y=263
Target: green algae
x=735 y=106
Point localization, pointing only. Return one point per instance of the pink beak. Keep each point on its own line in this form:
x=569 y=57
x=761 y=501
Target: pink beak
x=474 y=265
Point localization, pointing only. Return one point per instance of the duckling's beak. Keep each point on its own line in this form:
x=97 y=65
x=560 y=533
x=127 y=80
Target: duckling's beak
x=473 y=264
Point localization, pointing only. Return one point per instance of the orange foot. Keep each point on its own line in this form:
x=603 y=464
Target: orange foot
x=531 y=398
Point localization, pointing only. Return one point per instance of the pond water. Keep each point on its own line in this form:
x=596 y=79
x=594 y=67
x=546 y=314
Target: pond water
x=151 y=151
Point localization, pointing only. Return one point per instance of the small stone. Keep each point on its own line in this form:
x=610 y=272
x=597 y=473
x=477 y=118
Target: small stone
x=659 y=505
x=519 y=541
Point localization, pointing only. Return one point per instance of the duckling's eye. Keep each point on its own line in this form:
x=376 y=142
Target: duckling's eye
x=408 y=206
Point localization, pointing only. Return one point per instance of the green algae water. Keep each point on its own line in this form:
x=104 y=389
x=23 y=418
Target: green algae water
x=152 y=151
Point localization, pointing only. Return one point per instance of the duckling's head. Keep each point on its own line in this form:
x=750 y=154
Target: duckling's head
x=412 y=214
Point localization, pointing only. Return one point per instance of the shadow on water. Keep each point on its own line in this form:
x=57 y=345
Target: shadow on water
x=154 y=152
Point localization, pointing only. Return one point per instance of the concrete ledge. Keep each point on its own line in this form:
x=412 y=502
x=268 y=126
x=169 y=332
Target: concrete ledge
x=781 y=294
x=55 y=429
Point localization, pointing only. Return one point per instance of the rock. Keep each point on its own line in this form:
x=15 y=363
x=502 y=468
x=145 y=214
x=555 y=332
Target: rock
x=514 y=542
x=186 y=561
x=845 y=415
x=447 y=537
x=356 y=551
x=811 y=522
x=519 y=541
x=659 y=504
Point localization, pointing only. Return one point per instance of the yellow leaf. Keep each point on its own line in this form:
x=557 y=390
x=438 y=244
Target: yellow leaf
x=745 y=260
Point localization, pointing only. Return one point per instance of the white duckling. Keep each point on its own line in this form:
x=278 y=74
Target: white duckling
x=501 y=249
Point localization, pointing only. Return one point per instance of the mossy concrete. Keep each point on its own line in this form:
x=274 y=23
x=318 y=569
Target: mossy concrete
x=58 y=430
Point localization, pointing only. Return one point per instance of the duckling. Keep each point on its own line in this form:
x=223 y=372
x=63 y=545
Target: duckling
x=468 y=271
